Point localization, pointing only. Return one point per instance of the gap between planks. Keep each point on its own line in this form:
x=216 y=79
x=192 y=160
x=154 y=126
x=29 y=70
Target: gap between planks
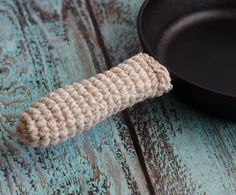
x=125 y=114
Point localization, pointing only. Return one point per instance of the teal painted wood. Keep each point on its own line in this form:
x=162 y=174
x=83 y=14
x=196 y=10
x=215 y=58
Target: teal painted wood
x=44 y=45
x=185 y=152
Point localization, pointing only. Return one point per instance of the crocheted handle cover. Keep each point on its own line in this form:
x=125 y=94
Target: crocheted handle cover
x=76 y=107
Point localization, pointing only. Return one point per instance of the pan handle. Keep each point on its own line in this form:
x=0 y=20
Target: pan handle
x=75 y=108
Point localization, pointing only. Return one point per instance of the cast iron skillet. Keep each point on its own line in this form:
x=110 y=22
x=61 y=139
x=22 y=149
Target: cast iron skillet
x=196 y=41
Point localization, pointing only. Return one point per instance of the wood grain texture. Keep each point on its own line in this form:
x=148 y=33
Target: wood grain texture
x=185 y=152
x=44 y=45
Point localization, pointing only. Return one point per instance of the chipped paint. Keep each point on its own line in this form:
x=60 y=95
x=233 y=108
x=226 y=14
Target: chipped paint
x=45 y=45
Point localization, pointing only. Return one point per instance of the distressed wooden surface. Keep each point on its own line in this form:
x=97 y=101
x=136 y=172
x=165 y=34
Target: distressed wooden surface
x=44 y=45
x=161 y=146
x=185 y=152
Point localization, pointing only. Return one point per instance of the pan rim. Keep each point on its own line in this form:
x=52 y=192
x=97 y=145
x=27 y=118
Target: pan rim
x=172 y=72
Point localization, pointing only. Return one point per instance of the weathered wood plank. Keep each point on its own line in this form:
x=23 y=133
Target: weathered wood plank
x=186 y=147
x=44 y=45
x=185 y=152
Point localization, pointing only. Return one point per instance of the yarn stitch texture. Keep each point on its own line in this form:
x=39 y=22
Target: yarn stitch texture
x=75 y=108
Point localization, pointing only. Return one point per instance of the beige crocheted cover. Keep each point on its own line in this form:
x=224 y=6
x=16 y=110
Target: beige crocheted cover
x=75 y=108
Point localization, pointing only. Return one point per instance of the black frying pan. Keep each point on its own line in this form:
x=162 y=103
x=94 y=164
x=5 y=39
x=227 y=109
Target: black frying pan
x=196 y=41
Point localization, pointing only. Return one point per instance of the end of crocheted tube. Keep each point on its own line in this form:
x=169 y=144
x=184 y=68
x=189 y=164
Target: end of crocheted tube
x=27 y=132
x=23 y=130
x=164 y=80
